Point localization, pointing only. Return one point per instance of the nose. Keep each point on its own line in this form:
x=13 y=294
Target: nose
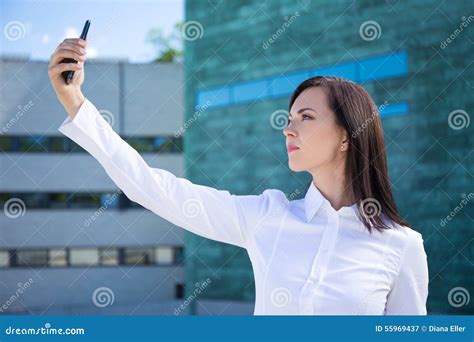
x=289 y=131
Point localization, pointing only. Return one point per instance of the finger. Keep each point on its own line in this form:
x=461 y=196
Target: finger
x=56 y=70
x=73 y=47
x=66 y=46
x=75 y=41
x=61 y=54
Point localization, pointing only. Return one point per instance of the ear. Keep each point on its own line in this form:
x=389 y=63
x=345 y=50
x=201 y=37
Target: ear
x=345 y=141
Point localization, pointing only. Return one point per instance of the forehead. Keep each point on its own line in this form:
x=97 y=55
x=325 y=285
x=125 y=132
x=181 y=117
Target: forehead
x=315 y=98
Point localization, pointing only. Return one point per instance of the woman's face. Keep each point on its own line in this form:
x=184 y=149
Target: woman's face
x=313 y=129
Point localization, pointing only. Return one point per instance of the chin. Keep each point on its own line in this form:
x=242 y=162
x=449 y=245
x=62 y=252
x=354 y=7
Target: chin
x=295 y=167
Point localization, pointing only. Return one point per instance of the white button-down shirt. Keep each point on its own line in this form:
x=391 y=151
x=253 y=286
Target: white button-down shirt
x=307 y=257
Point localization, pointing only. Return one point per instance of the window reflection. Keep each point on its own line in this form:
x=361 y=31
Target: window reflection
x=20 y=143
x=108 y=257
x=164 y=255
x=32 y=258
x=4 y=258
x=83 y=256
x=90 y=256
x=57 y=257
x=138 y=256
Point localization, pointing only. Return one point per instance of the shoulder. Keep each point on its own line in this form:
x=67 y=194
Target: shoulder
x=274 y=199
x=269 y=201
x=410 y=244
x=402 y=236
x=275 y=195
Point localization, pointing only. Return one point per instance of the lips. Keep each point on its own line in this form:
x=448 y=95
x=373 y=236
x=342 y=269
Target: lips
x=292 y=148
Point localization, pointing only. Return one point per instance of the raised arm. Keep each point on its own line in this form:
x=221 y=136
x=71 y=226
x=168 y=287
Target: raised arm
x=214 y=214
x=206 y=211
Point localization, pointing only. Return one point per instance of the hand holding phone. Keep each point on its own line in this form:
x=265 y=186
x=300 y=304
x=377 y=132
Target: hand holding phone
x=69 y=57
x=68 y=75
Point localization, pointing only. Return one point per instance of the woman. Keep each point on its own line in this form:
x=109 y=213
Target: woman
x=341 y=250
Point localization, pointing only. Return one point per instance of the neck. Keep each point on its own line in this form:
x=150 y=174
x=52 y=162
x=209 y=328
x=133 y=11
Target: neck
x=333 y=185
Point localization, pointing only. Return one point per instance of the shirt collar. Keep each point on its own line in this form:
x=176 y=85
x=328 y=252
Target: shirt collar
x=314 y=199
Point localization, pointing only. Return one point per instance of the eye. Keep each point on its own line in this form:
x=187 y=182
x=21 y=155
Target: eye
x=304 y=115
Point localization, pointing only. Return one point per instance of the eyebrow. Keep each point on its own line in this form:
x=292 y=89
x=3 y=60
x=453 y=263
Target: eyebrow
x=302 y=110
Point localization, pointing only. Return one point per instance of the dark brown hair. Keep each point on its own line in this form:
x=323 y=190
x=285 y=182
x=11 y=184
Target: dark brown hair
x=366 y=164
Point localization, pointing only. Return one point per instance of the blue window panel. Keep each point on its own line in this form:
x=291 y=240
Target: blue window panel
x=217 y=97
x=109 y=200
x=284 y=85
x=375 y=68
x=347 y=71
x=158 y=141
x=381 y=67
x=393 y=109
x=250 y=91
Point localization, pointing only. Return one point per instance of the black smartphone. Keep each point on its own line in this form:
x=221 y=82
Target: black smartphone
x=68 y=75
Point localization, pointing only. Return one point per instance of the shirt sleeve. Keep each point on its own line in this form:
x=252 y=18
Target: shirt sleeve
x=410 y=289
x=206 y=211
